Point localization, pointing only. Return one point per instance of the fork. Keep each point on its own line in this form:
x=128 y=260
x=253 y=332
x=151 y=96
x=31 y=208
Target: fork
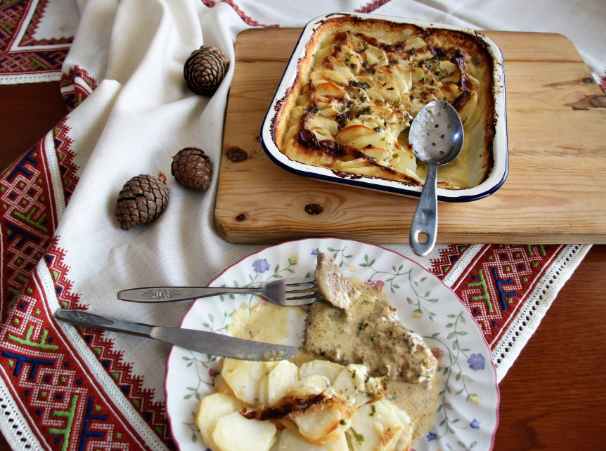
x=289 y=292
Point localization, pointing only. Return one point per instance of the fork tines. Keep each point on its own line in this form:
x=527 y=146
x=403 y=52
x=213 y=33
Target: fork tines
x=303 y=290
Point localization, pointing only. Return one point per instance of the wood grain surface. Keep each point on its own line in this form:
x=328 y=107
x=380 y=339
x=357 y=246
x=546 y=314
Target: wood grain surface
x=551 y=399
x=556 y=117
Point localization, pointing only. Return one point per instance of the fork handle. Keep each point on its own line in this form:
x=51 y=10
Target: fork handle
x=173 y=294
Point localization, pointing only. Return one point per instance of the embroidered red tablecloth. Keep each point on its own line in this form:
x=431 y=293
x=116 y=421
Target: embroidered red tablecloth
x=68 y=388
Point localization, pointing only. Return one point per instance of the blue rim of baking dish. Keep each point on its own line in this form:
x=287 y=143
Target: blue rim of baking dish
x=384 y=185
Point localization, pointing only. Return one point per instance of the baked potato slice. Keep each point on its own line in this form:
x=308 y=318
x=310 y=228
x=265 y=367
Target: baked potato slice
x=236 y=433
x=210 y=410
x=244 y=377
x=324 y=368
x=289 y=441
x=322 y=423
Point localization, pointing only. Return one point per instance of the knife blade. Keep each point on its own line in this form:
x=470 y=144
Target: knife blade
x=194 y=340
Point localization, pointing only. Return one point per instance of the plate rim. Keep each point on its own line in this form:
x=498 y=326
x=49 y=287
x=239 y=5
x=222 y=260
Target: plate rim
x=172 y=347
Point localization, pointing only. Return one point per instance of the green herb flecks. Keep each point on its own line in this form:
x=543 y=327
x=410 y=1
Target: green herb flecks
x=359 y=84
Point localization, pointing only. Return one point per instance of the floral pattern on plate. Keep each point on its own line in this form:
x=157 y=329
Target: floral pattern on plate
x=468 y=410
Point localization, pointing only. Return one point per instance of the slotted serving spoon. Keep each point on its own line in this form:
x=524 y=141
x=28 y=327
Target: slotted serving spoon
x=436 y=135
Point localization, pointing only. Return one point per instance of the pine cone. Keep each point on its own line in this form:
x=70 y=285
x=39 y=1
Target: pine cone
x=192 y=168
x=204 y=70
x=141 y=200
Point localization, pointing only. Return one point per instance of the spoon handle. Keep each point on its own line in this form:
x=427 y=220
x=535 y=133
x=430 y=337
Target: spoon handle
x=425 y=219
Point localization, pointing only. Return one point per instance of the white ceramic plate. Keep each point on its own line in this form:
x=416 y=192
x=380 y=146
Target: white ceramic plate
x=468 y=410
x=493 y=182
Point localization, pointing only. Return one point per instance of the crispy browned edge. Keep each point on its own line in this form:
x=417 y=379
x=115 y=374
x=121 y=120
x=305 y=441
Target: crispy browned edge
x=469 y=42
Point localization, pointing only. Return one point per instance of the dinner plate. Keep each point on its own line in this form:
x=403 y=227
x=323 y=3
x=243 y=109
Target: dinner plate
x=469 y=397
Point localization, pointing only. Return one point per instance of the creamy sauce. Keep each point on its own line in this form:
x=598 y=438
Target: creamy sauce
x=420 y=402
x=264 y=321
x=270 y=323
x=369 y=333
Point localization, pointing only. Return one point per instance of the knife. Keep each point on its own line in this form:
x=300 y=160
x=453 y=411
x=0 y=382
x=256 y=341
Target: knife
x=194 y=340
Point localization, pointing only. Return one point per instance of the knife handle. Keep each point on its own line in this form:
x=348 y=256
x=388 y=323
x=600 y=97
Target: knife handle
x=195 y=340
x=81 y=318
x=172 y=294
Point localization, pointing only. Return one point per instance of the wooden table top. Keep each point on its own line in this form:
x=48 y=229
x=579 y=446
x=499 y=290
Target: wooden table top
x=553 y=396
x=557 y=158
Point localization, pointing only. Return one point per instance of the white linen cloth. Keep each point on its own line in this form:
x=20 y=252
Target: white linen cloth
x=141 y=114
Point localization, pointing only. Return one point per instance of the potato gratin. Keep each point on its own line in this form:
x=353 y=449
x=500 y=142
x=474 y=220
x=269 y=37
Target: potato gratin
x=362 y=82
x=321 y=406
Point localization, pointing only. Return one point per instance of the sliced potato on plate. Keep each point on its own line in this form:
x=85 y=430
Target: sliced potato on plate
x=236 y=433
x=244 y=377
x=280 y=380
x=312 y=385
x=290 y=441
x=210 y=410
x=376 y=427
x=221 y=386
x=323 y=406
x=324 y=368
x=324 y=422
x=405 y=441
x=354 y=384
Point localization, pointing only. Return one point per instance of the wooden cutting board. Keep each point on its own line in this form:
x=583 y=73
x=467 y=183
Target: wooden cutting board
x=555 y=192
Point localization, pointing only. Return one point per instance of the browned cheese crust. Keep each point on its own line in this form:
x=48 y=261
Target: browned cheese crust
x=361 y=83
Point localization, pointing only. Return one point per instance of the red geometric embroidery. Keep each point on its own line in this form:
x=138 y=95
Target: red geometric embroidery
x=65 y=158
x=496 y=284
x=448 y=257
x=68 y=409
x=603 y=82
x=370 y=7
x=31 y=62
x=247 y=19
x=12 y=15
x=76 y=85
x=112 y=361
x=28 y=216
x=65 y=407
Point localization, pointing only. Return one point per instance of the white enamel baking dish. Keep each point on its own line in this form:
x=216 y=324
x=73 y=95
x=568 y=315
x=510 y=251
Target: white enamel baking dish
x=491 y=184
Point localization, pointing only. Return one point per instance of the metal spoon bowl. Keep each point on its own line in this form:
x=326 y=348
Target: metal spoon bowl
x=436 y=135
